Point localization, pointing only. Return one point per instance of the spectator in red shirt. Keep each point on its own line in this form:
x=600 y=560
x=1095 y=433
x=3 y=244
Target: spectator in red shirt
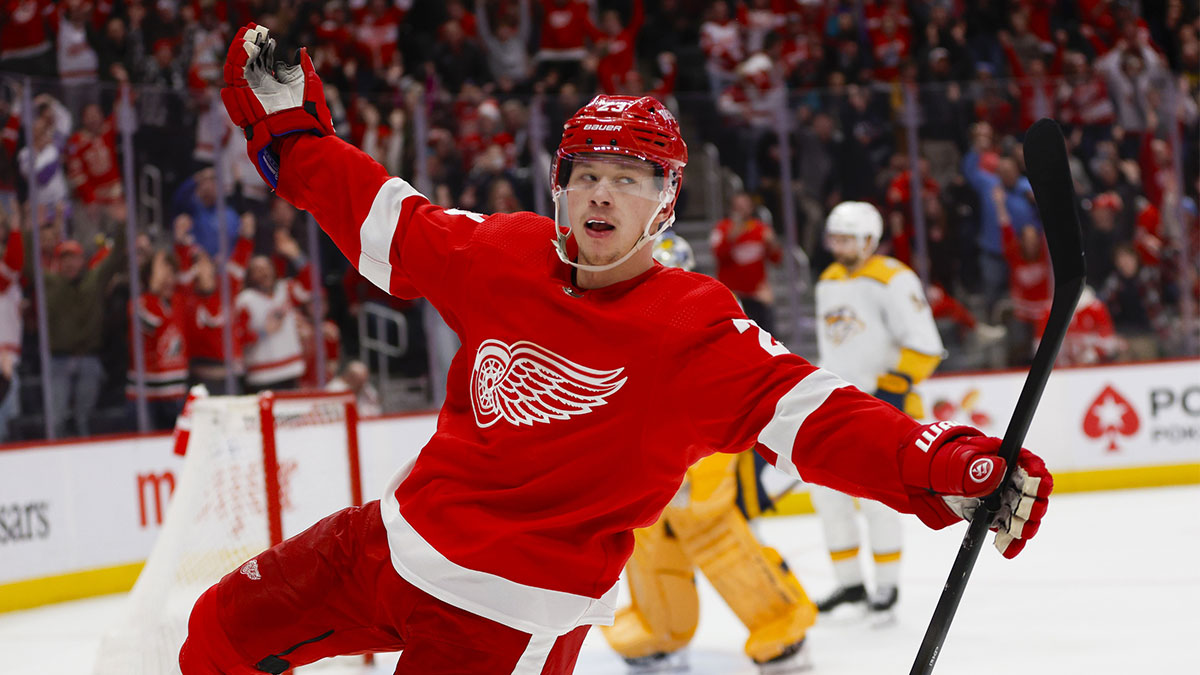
x=204 y=317
x=742 y=246
x=992 y=103
x=617 y=47
x=1035 y=83
x=1030 y=280
x=1084 y=104
x=331 y=344
x=721 y=40
x=157 y=320
x=333 y=29
x=760 y=19
x=378 y=31
x=889 y=47
x=93 y=168
x=26 y=30
x=899 y=208
x=566 y=27
x=1091 y=338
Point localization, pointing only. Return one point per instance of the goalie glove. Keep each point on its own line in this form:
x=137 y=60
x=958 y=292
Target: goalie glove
x=269 y=99
x=950 y=467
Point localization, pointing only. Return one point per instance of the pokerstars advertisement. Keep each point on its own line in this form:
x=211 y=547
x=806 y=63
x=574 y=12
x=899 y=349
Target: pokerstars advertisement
x=1090 y=417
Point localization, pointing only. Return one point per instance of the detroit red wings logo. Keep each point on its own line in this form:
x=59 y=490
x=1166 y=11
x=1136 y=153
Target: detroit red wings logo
x=525 y=383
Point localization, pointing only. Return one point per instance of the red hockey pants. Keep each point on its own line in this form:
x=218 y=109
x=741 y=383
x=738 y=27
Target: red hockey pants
x=332 y=590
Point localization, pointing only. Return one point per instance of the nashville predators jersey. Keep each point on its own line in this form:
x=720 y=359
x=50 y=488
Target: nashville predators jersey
x=867 y=316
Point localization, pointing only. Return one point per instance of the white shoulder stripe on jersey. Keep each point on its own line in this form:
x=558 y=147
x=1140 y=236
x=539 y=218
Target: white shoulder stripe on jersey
x=790 y=412
x=375 y=235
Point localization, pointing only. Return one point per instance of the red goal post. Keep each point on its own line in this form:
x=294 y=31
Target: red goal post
x=257 y=469
x=267 y=402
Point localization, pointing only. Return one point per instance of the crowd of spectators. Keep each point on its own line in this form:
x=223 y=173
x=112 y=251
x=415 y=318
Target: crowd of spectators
x=464 y=97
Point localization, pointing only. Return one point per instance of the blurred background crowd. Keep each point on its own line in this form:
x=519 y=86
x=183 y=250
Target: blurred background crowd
x=140 y=252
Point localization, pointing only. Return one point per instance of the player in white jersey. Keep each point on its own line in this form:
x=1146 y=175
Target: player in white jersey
x=875 y=329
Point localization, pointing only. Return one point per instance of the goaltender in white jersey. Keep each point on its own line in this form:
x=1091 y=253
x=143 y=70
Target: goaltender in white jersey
x=875 y=330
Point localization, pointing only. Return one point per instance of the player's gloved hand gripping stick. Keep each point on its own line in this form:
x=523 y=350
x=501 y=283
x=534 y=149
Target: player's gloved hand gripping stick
x=269 y=99
x=1016 y=509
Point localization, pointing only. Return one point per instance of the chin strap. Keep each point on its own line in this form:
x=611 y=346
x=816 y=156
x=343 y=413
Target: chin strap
x=562 y=235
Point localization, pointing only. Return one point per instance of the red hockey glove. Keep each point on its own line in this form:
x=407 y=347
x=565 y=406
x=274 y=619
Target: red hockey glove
x=949 y=467
x=269 y=99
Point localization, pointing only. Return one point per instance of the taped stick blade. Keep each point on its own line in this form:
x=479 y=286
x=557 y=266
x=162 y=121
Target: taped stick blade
x=1054 y=190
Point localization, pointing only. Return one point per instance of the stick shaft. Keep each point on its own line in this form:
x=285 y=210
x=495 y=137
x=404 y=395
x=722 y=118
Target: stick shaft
x=1014 y=437
x=1053 y=188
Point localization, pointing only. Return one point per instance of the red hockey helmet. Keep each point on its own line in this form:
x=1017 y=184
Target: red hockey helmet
x=639 y=127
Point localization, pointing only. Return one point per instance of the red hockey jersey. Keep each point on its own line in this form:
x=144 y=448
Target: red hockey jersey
x=742 y=259
x=1031 y=281
x=159 y=326
x=204 y=317
x=571 y=414
x=93 y=167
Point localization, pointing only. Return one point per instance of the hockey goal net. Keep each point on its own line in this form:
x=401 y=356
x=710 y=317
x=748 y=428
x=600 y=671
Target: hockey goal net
x=258 y=469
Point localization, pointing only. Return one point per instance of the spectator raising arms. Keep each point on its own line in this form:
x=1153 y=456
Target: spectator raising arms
x=507 y=53
x=204 y=315
x=92 y=165
x=566 y=26
x=617 y=47
x=42 y=163
x=1030 y=280
x=275 y=359
x=156 y=319
x=74 y=313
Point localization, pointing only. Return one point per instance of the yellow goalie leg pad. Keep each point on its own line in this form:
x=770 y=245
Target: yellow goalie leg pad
x=770 y=639
x=752 y=579
x=665 y=608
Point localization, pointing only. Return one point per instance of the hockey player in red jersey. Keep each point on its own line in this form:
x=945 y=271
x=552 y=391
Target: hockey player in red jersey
x=588 y=381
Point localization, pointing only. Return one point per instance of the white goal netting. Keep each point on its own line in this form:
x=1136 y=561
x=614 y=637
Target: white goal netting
x=232 y=501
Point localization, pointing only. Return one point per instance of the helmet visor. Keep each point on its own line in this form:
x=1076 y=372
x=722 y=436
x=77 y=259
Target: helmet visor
x=612 y=203
x=589 y=172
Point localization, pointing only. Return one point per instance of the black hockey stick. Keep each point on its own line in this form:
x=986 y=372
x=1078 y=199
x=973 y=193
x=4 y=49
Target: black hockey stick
x=1050 y=176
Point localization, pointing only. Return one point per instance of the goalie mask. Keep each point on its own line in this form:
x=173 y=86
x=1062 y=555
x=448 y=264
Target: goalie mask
x=672 y=250
x=623 y=148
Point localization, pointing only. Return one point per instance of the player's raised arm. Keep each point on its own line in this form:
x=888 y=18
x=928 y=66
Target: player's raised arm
x=389 y=231
x=746 y=388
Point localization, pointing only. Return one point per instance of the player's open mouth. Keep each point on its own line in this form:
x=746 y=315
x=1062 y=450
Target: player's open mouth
x=598 y=228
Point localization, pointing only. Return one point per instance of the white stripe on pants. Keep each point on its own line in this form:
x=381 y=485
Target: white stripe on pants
x=536 y=652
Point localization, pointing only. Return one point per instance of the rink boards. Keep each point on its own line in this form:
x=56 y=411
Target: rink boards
x=78 y=518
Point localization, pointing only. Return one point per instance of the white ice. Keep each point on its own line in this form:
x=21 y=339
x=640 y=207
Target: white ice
x=1111 y=585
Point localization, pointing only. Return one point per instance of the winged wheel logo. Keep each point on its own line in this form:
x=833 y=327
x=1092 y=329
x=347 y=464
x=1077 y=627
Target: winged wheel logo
x=525 y=383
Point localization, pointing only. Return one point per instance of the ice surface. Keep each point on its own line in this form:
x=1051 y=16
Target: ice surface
x=1111 y=585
